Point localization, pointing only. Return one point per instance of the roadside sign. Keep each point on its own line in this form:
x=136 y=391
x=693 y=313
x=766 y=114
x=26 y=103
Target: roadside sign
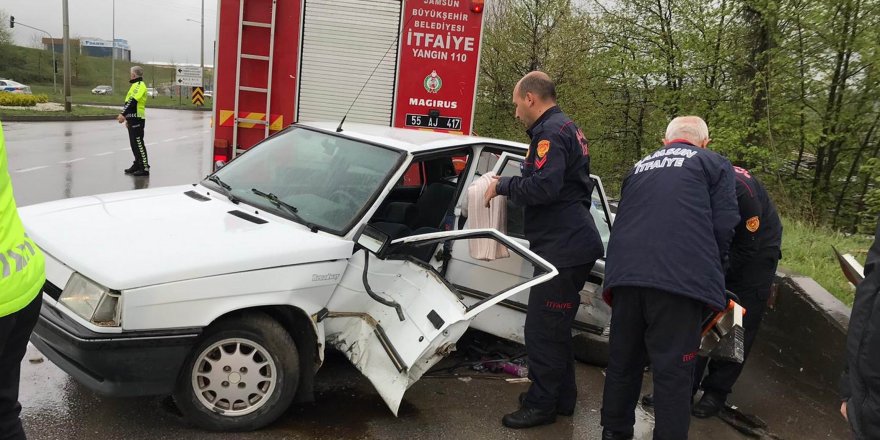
x=189 y=76
x=198 y=96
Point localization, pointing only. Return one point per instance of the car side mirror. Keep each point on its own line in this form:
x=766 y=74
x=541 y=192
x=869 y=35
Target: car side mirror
x=372 y=239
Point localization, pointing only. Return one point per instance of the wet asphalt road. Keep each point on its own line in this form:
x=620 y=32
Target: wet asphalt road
x=56 y=160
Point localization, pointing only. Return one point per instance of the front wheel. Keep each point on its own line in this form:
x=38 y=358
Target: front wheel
x=242 y=375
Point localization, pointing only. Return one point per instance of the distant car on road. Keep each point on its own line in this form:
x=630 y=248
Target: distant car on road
x=102 y=90
x=8 y=85
x=209 y=93
x=152 y=93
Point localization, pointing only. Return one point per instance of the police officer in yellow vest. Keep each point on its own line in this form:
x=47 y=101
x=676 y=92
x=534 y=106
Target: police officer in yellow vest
x=134 y=114
x=22 y=275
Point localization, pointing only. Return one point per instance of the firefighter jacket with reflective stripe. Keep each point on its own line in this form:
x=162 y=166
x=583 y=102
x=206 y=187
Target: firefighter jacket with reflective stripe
x=556 y=191
x=136 y=100
x=674 y=224
x=22 y=268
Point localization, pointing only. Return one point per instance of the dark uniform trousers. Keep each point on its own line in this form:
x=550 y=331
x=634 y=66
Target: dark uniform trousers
x=752 y=286
x=552 y=309
x=136 y=139
x=15 y=330
x=653 y=324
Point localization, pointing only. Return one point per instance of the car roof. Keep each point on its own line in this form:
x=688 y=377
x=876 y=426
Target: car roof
x=411 y=140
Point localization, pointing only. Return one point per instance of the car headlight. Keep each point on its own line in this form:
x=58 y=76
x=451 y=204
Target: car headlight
x=91 y=301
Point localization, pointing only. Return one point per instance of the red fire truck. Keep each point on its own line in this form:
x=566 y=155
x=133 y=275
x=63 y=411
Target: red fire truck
x=403 y=63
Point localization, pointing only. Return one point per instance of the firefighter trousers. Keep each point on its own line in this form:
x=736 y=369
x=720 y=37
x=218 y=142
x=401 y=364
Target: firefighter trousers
x=551 y=311
x=651 y=324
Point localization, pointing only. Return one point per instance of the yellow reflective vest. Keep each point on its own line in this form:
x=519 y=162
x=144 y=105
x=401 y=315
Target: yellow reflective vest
x=136 y=100
x=22 y=266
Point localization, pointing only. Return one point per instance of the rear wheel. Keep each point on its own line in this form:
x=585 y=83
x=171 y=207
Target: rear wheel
x=242 y=375
x=591 y=349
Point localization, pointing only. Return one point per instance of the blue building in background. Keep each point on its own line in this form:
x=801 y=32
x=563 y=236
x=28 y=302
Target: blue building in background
x=93 y=47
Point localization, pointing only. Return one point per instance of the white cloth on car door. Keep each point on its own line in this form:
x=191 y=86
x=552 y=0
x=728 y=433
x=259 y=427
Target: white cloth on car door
x=480 y=217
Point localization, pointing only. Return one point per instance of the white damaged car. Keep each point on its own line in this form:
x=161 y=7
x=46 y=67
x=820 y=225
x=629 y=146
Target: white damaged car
x=226 y=293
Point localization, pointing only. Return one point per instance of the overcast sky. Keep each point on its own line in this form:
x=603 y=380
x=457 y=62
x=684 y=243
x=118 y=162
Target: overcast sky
x=156 y=30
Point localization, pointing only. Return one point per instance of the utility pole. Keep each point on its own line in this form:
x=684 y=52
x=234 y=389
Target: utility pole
x=67 y=100
x=113 y=54
x=203 y=45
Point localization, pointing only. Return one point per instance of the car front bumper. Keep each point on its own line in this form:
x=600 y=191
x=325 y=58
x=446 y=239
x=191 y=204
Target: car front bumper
x=140 y=363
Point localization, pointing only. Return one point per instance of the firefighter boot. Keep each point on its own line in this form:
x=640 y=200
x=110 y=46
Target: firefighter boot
x=709 y=405
x=528 y=417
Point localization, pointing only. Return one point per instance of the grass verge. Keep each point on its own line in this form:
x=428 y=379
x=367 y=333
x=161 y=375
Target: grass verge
x=76 y=110
x=83 y=95
x=806 y=249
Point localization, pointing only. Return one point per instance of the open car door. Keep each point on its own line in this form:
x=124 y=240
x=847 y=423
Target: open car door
x=394 y=315
x=508 y=320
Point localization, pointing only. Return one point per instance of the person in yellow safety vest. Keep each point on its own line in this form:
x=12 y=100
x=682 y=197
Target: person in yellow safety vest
x=134 y=114
x=21 y=280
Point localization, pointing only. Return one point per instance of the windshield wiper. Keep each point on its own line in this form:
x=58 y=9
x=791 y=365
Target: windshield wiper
x=227 y=190
x=287 y=206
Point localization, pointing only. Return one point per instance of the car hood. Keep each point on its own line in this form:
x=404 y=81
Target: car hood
x=146 y=237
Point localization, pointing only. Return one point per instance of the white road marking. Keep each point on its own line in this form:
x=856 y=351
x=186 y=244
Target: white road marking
x=167 y=140
x=72 y=160
x=104 y=153
x=25 y=170
x=150 y=144
x=124 y=149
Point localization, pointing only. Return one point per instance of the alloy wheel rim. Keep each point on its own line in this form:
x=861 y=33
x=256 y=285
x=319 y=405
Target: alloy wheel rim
x=234 y=377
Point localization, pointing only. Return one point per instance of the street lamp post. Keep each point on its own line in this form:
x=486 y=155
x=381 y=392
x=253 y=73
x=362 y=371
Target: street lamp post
x=113 y=54
x=202 y=24
x=54 y=65
x=66 y=27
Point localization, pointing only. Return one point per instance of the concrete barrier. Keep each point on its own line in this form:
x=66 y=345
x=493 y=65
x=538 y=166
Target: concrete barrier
x=807 y=326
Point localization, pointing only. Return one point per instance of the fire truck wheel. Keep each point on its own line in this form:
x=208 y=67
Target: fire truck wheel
x=241 y=376
x=591 y=349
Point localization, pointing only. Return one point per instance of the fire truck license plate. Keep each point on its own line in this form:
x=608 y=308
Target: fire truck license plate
x=442 y=122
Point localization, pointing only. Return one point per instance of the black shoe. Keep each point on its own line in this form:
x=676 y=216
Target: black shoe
x=527 y=418
x=709 y=405
x=608 y=434
x=559 y=411
x=134 y=167
x=648 y=400
x=140 y=172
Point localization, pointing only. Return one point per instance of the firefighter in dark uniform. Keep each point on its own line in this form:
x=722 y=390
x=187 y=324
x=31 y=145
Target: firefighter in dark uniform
x=672 y=231
x=754 y=255
x=556 y=190
x=134 y=116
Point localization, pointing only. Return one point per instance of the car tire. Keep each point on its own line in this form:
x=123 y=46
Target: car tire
x=217 y=391
x=591 y=349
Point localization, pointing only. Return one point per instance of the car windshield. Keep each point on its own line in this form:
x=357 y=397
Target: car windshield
x=327 y=179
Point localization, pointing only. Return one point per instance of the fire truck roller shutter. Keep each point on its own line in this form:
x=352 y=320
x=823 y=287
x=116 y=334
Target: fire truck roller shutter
x=343 y=42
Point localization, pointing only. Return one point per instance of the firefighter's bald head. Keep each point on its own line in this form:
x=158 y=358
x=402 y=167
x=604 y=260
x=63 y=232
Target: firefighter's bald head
x=532 y=96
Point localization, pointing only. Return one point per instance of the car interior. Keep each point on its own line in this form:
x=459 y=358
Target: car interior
x=423 y=200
